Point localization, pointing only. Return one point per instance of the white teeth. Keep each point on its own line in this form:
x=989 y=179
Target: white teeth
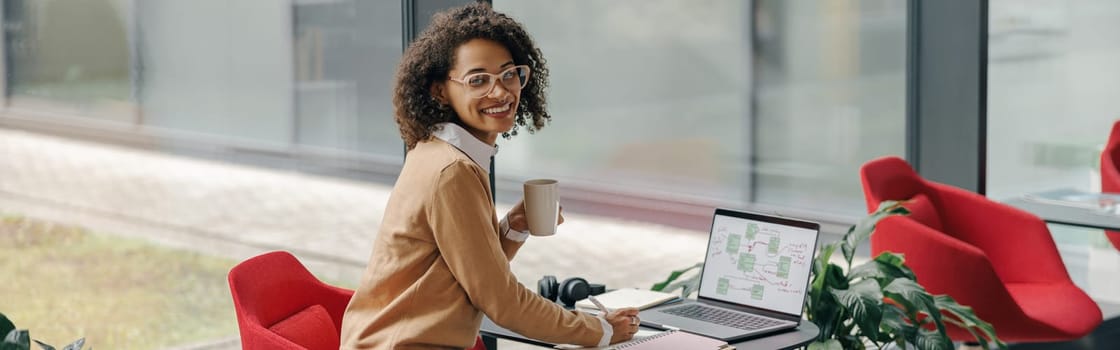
x=496 y=109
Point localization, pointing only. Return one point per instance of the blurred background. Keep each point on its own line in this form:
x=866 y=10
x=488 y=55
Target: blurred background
x=201 y=132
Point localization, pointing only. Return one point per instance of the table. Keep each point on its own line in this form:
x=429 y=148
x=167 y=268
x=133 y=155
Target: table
x=1054 y=212
x=803 y=335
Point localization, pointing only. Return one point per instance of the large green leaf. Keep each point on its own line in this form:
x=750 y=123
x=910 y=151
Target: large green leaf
x=898 y=261
x=869 y=270
x=982 y=342
x=6 y=325
x=862 y=230
x=831 y=344
x=851 y=342
x=687 y=286
x=821 y=276
x=820 y=263
x=826 y=315
x=836 y=277
x=828 y=312
x=673 y=276
x=932 y=340
x=913 y=297
x=966 y=318
x=76 y=345
x=18 y=339
x=896 y=325
x=44 y=346
x=862 y=301
x=849 y=249
x=882 y=269
x=964 y=314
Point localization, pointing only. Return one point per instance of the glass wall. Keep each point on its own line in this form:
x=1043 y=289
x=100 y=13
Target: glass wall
x=70 y=57
x=1053 y=80
x=303 y=84
x=217 y=67
x=768 y=102
x=776 y=104
x=346 y=55
x=310 y=73
x=831 y=95
x=646 y=96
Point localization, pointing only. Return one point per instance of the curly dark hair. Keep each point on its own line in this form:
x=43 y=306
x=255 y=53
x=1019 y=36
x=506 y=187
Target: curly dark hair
x=429 y=60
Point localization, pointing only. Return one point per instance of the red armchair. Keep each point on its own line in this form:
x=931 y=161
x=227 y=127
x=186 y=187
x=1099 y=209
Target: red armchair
x=999 y=260
x=281 y=305
x=1110 y=174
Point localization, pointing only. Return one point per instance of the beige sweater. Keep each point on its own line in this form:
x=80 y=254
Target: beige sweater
x=439 y=263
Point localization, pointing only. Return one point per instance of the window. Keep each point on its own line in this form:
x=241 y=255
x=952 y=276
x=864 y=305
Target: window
x=217 y=67
x=314 y=73
x=346 y=55
x=830 y=90
x=645 y=96
x=69 y=56
x=656 y=97
x=1052 y=86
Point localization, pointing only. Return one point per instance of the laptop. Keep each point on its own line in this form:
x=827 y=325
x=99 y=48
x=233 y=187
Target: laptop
x=754 y=280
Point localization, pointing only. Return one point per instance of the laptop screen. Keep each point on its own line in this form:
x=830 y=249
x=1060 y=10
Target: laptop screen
x=759 y=261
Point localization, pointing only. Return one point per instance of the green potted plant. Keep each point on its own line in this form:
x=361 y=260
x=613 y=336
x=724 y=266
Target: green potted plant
x=20 y=339
x=873 y=304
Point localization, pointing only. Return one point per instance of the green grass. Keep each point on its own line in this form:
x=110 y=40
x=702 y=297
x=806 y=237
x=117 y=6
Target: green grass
x=63 y=283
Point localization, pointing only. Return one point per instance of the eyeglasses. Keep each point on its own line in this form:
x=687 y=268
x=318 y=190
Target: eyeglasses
x=481 y=84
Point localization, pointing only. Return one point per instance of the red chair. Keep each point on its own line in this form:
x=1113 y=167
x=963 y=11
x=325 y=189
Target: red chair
x=999 y=260
x=1110 y=174
x=281 y=305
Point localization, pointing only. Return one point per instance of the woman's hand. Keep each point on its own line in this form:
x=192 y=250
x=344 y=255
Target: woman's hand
x=518 y=221
x=625 y=323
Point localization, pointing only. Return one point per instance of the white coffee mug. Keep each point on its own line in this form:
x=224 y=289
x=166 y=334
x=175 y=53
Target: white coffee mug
x=542 y=206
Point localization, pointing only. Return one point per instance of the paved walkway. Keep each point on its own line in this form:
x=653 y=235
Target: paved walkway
x=238 y=212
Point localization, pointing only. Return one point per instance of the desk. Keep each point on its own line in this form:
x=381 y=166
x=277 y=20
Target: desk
x=1067 y=215
x=802 y=336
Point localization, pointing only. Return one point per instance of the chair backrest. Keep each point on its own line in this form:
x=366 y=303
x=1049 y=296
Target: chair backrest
x=281 y=305
x=1110 y=158
x=1110 y=173
x=891 y=178
x=888 y=178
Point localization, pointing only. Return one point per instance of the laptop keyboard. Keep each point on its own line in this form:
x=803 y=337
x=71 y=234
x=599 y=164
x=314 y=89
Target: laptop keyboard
x=723 y=317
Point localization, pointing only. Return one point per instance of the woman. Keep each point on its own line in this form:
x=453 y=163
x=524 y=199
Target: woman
x=441 y=258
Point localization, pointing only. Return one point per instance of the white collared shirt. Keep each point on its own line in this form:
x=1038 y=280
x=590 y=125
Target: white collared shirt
x=480 y=153
x=457 y=136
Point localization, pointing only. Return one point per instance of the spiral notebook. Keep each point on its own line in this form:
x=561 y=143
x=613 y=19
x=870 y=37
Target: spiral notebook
x=673 y=340
x=628 y=297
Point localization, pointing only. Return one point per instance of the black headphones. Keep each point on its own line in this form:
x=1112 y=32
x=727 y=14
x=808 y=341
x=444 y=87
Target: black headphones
x=568 y=292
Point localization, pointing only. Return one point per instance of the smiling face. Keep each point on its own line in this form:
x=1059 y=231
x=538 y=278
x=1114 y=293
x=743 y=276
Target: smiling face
x=490 y=115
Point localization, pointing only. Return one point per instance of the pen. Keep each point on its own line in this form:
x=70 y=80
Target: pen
x=598 y=304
